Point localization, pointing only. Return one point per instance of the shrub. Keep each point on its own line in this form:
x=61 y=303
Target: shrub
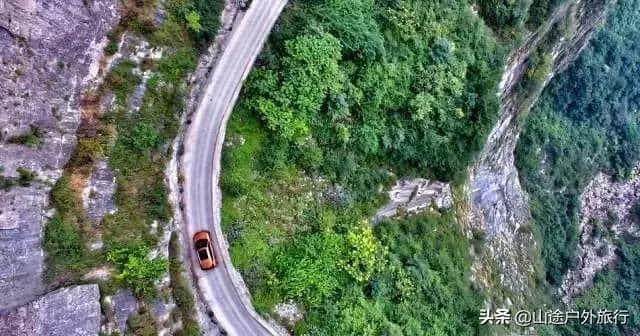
x=31 y=138
x=64 y=199
x=142 y=324
x=86 y=152
x=25 y=177
x=136 y=270
x=112 y=45
x=5 y=183
x=122 y=81
x=62 y=242
x=504 y=14
x=201 y=16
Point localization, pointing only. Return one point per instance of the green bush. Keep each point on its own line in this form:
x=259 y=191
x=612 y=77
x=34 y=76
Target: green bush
x=504 y=14
x=142 y=324
x=207 y=13
x=112 y=45
x=136 y=270
x=31 y=138
x=25 y=177
x=540 y=10
x=5 y=183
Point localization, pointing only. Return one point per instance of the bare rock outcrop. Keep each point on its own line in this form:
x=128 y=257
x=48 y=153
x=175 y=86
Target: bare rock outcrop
x=49 y=53
x=118 y=308
x=97 y=197
x=72 y=311
x=498 y=205
x=603 y=201
x=413 y=196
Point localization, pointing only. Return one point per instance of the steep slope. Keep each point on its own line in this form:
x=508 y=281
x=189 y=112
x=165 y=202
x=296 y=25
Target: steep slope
x=50 y=52
x=499 y=208
x=578 y=157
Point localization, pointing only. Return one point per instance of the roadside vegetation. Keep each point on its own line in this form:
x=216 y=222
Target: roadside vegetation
x=294 y=237
x=586 y=122
x=32 y=138
x=181 y=289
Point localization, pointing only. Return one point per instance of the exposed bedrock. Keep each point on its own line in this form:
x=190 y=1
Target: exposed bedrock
x=72 y=311
x=413 y=196
x=50 y=52
x=499 y=207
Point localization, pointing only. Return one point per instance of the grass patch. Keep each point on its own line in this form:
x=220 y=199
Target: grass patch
x=64 y=238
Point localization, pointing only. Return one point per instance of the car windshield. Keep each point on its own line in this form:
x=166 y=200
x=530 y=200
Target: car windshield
x=201 y=243
x=202 y=253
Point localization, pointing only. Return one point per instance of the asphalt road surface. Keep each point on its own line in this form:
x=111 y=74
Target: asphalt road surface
x=201 y=162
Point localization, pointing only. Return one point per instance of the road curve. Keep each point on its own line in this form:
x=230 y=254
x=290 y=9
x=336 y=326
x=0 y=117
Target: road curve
x=201 y=167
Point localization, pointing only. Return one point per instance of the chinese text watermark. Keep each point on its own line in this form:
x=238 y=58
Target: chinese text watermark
x=525 y=318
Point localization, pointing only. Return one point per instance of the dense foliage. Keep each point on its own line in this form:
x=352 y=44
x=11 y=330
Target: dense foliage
x=292 y=241
x=136 y=270
x=350 y=90
x=540 y=10
x=504 y=15
x=349 y=86
x=586 y=121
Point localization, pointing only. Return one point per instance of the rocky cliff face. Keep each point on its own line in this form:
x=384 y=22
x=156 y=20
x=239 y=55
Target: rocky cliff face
x=498 y=205
x=72 y=311
x=50 y=53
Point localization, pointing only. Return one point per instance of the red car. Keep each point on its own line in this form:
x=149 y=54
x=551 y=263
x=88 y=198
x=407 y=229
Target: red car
x=204 y=249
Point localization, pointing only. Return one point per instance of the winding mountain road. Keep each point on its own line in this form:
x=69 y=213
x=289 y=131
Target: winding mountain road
x=201 y=168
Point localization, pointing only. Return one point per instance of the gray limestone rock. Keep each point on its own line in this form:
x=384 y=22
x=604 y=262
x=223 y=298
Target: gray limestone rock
x=124 y=305
x=602 y=197
x=71 y=311
x=21 y=254
x=97 y=197
x=49 y=54
x=413 y=196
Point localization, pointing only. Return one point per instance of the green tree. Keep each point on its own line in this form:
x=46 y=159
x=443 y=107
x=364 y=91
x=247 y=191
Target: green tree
x=193 y=21
x=365 y=255
x=291 y=100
